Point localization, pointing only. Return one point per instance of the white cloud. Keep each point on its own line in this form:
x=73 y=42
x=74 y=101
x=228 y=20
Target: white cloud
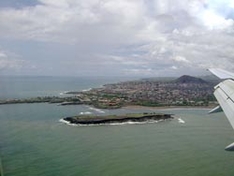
x=141 y=36
x=2 y=54
x=7 y=63
x=78 y=21
x=180 y=59
x=85 y=20
x=59 y=19
x=215 y=21
x=174 y=67
x=11 y=63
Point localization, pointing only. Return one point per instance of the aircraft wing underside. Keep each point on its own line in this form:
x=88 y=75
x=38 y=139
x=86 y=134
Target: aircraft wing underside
x=224 y=93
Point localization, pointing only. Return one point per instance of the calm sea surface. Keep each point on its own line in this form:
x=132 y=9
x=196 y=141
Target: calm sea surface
x=34 y=143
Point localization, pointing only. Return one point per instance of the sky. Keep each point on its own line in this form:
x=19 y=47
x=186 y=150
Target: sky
x=138 y=38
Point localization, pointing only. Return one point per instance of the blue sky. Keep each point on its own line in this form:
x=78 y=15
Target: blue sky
x=143 y=38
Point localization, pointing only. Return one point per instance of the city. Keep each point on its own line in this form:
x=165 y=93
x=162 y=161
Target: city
x=184 y=91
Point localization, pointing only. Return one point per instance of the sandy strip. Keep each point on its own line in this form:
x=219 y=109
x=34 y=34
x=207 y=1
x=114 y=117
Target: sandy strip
x=137 y=107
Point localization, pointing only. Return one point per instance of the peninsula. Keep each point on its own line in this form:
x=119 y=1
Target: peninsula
x=151 y=92
x=183 y=91
x=112 y=119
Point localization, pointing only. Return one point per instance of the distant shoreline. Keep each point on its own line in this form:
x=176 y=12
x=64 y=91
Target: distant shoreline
x=138 y=107
x=60 y=101
x=184 y=92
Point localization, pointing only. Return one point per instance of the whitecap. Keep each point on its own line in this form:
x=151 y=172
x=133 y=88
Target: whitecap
x=97 y=110
x=86 y=113
x=67 y=123
x=63 y=93
x=181 y=120
x=86 y=90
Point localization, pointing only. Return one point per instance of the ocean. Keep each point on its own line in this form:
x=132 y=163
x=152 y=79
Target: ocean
x=33 y=142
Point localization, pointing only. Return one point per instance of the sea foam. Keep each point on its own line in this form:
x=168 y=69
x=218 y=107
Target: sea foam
x=97 y=110
x=67 y=123
x=86 y=90
x=86 y=113
x=181 y=120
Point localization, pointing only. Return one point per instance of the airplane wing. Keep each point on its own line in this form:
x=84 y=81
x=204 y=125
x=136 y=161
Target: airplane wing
x=224 y=93
x=222 y=74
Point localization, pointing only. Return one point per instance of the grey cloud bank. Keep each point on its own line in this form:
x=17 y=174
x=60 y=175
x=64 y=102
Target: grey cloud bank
x=124 y=37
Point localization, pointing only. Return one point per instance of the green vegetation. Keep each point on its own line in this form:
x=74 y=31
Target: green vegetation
x=41 y=100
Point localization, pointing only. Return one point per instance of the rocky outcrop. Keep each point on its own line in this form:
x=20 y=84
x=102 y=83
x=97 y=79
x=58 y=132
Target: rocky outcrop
x=95 y=120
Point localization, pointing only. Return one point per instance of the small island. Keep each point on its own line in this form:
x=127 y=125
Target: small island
x=113 y=119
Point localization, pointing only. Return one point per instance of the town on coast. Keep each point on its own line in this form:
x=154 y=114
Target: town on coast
x=185 y=91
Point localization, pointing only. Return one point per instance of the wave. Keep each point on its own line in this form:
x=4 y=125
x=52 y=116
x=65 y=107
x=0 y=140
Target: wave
x=135 y=123
x=181 y=120
x=66 y=122
x=86 y=90
x=97 y=110
x=63 y=93
x=86 y=113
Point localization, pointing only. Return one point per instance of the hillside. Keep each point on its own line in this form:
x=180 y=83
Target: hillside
x=190 y=79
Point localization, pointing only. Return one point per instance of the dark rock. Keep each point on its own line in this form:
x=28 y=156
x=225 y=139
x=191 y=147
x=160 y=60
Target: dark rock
x=118 y=119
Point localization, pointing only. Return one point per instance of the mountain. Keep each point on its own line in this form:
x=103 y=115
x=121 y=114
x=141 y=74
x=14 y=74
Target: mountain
x=190 y=79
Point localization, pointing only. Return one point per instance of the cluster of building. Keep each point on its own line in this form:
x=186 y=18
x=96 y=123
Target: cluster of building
x=184 y=91
x=152 y=93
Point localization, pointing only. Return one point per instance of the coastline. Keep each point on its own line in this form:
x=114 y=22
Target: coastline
x=138 y=107
x=59 y=102
x=63 y=101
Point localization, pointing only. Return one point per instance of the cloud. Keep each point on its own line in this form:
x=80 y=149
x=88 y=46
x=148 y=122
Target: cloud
x=7 y=63
x=180 y=59
x=212 y=21
x=73 y=21
x=86 y=20
x=3 y=55
x=72 y=17
x=144 y=36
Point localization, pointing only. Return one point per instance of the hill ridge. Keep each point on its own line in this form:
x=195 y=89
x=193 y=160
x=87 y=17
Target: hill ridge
x=190 y=79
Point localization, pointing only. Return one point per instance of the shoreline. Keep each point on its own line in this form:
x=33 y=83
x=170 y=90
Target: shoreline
x=138 y=107
x=130 y=107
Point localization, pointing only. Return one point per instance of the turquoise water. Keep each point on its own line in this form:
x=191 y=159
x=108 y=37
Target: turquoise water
x=34 y=142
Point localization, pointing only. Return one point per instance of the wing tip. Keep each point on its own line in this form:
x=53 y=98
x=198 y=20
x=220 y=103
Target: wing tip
x=216 y=109
x=230 y=147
